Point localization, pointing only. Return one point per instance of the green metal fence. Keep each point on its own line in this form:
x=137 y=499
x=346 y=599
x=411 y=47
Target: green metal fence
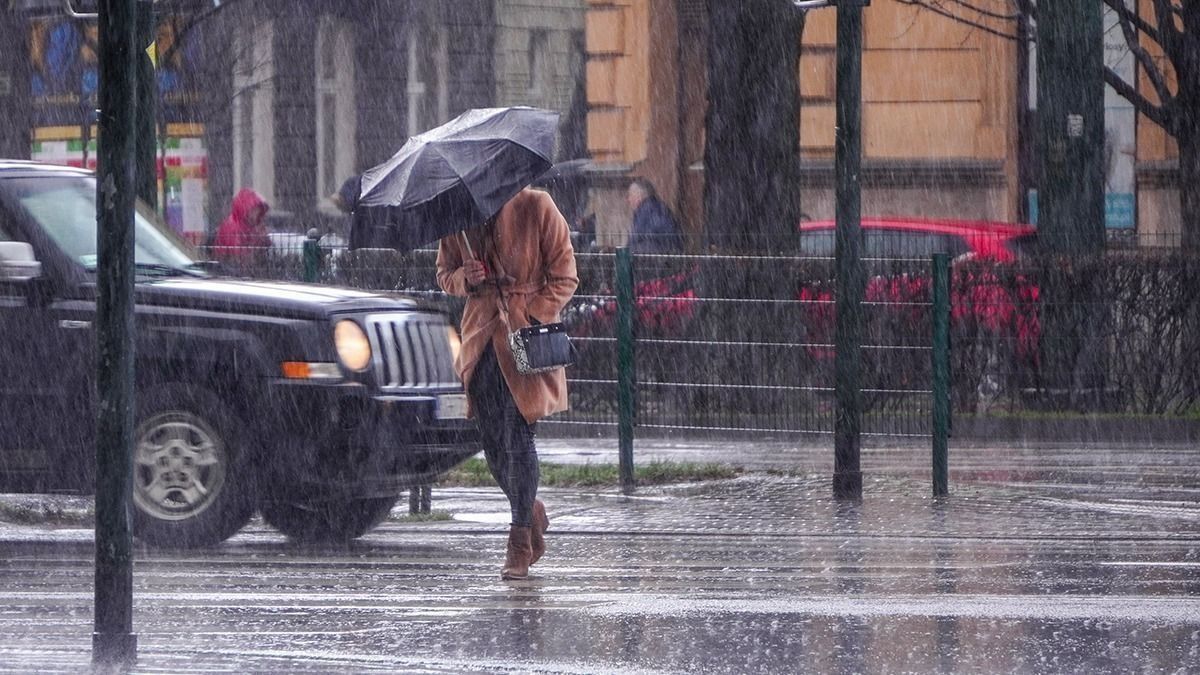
x=744 y=343
x=720 y=344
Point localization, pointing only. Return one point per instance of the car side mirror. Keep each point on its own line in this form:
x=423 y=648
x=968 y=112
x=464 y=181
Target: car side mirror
x=17 y=262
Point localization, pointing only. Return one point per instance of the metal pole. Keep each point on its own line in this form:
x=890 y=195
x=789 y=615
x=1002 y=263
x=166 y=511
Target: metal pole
x=626 y=375
x=312 y=257
x=113 y=639
x=941 y=374
x=420 y=499
x=851 y=274
x=147 y=104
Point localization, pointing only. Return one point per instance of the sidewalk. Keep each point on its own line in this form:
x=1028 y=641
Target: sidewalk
x=1046 y=559
x=1087 y=462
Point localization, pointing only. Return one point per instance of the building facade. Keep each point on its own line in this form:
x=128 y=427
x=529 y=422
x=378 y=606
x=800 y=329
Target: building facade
x=539 y=61
x=947 y=119
x=289 y=98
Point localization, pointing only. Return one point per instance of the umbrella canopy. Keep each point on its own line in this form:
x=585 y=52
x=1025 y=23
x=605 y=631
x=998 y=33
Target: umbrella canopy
x=455 y=176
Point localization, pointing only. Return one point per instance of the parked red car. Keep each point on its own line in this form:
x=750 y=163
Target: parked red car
x=892 y=237
x=663 y=307
x=981 y=301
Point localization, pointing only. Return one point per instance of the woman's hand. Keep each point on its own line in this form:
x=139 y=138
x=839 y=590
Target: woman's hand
x=475 y=272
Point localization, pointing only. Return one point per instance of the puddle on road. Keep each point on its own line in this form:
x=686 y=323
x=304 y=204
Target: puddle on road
x=492 y=518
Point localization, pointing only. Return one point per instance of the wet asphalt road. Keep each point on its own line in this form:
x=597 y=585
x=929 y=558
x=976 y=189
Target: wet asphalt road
x=1062 y=561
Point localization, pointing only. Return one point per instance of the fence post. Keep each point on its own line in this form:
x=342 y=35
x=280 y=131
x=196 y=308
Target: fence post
x=626 y=376
x=941 y=374
x=312 y=257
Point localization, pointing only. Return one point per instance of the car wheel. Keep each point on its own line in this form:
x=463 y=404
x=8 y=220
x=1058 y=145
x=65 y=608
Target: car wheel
x=191 y=483
x=335 y=521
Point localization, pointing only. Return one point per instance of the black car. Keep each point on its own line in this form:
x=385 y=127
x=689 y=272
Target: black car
x=317 y=405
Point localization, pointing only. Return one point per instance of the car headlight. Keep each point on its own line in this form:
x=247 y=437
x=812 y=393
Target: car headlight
x=455 y=342
x=353 y=347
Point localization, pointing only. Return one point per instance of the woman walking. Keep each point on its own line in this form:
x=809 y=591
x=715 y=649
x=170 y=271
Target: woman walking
x=524 y=252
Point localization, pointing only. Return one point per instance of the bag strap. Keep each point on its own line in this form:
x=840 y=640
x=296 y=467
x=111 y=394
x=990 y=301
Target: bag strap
x=490 y=251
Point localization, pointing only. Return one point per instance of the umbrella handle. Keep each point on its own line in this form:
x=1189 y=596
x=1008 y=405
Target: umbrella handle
x=467 y=243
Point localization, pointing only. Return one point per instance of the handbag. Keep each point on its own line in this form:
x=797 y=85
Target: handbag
x=541 y=347
x=537 y=348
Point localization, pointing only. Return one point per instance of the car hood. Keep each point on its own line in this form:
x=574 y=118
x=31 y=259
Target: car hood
x=268 y=298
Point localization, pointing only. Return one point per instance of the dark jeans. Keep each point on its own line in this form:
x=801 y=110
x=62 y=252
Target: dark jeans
x=507 y=438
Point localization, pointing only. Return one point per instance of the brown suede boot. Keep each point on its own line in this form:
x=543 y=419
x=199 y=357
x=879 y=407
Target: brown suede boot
x=541 y=523
x=516 y=559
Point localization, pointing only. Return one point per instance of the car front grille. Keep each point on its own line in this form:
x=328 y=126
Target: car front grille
x=411 y=351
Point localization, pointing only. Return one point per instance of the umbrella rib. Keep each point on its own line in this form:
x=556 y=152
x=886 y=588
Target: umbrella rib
x=458 y=174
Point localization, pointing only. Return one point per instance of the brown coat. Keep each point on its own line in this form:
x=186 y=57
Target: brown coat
x=531 y=243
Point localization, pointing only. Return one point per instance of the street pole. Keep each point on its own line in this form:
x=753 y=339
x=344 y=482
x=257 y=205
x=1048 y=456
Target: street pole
x=940 y=362
x=147 y=105
x=113 y=640
x=626 y=373
x=851 y=274
x=1070 y=91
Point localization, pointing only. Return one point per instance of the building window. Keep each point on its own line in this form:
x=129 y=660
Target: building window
x=254 y=109
x=428 y=77
x=538 y=58
x=336 y=120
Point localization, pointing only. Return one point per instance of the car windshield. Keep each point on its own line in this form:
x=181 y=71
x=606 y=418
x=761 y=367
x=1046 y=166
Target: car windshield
x=65 y=207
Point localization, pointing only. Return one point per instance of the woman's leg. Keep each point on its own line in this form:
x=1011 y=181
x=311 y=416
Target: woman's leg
x=508 y=440
x=487 y=399
x=523 y=471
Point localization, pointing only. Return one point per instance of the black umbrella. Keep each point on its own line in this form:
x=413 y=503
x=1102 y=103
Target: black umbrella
x=455 y=176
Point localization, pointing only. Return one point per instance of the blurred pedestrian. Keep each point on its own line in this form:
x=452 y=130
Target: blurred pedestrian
x=366 y=229
x=654 y=229
x=525 y=253
x=242 y=238
x=346 y=197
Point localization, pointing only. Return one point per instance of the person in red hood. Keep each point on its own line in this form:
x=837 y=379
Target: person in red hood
x=242 y=237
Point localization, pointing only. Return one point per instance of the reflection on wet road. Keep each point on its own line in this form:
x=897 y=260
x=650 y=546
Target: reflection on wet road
x=1021 y=572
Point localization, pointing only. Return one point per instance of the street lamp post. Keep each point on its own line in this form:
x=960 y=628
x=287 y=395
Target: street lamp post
x=851 y=274
x=113 y=641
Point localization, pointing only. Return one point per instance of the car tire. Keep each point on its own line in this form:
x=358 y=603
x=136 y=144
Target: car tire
x=328 y=522
x=192 y=481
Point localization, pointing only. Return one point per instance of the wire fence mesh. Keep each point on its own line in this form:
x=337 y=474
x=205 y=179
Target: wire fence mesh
x=746 y=343
x=723 y=343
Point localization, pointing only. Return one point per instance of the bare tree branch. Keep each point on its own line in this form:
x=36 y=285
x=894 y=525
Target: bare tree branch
x=1144 y=58
x=977 y=9
x=1156 y=113
x=937 y=8
x=1124 y=13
